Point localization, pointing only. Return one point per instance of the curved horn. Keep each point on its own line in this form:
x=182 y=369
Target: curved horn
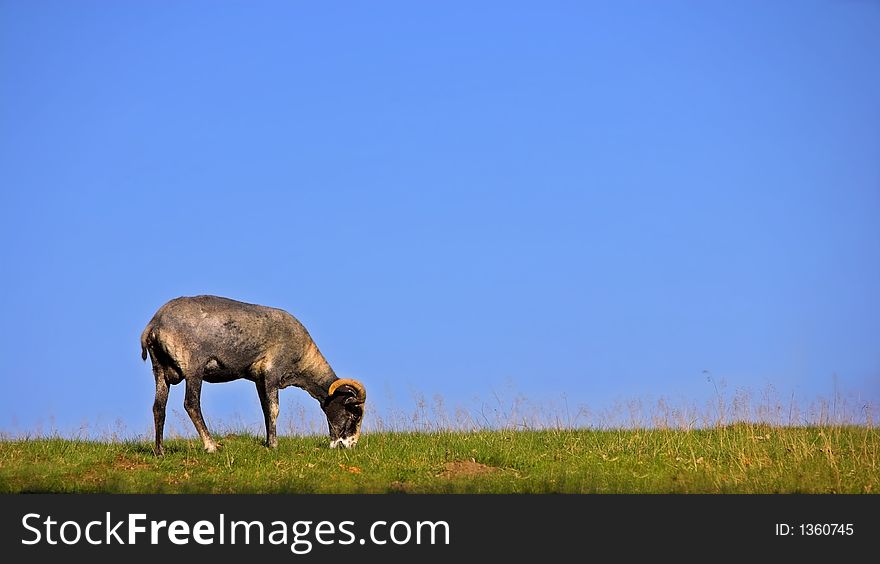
x=361 y=392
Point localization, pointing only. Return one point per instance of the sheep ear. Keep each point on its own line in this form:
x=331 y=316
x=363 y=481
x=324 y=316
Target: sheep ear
x=353 y=400
x=350 y=393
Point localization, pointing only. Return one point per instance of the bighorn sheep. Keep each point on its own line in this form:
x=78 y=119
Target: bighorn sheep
x=213 y=339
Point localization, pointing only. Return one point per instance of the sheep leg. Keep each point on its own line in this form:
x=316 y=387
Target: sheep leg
x=159 y=407
x=193 y=404
x=269 y=402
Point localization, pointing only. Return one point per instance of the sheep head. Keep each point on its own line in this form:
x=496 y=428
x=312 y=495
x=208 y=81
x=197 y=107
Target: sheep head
x=344 y=408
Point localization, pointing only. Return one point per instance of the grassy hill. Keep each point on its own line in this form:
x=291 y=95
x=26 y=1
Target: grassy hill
x=741 y=458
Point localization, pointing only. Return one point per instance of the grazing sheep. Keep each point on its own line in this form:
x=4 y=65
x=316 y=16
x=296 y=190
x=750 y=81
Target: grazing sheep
x=212 y=339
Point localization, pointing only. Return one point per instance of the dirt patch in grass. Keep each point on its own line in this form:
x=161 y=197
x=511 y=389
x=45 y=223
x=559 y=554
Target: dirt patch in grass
x=465 y=469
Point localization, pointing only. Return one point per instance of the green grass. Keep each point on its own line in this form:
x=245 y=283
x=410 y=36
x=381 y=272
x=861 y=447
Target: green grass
x=741 y=458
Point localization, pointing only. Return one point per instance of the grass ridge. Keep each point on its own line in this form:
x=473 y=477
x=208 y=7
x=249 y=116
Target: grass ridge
x=737 y=458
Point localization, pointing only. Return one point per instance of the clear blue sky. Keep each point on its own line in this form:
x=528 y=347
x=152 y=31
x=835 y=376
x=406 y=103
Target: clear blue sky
x=595 y=199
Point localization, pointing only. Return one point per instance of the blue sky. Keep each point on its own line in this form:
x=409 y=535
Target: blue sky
x=579 y=200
